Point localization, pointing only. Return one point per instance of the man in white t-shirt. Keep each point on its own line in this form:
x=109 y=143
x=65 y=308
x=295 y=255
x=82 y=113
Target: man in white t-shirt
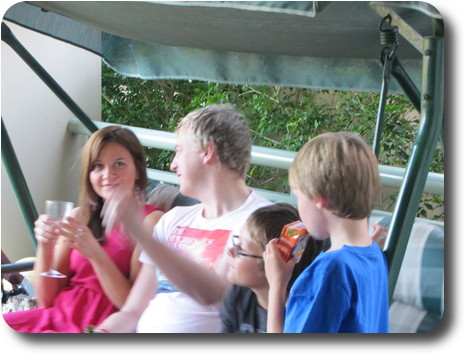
x=183 y=276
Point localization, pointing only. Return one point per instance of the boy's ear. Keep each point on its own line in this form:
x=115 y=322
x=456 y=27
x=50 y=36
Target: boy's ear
x=321 y=203
x=209 y=153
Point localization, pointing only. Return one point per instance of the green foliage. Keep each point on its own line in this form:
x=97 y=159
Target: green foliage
x=283 y=118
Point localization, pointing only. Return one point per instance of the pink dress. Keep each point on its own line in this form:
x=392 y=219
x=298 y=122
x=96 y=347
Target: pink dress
x=83 y=301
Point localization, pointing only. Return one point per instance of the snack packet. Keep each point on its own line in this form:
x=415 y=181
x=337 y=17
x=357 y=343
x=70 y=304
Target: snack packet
x=293 y=240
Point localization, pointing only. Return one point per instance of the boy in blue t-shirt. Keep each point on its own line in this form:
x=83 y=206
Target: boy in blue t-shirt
x=336 y=181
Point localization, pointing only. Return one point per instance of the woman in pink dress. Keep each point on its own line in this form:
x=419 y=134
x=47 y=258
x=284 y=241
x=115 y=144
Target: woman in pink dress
x=100 y=267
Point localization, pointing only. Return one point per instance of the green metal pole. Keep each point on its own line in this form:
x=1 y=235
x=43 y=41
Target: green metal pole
x=19 y=184
x=10 y=39
x=421 y=156
x=406 y=83
x=387 y=66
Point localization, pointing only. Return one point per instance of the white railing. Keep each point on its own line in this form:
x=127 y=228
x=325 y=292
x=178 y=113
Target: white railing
x=264 y=156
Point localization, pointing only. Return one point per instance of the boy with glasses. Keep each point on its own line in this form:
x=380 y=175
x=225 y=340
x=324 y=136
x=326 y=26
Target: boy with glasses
x=244 y=307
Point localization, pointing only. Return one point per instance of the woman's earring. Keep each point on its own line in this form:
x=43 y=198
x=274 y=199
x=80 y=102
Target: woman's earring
x=138 y=191
x=93 y=205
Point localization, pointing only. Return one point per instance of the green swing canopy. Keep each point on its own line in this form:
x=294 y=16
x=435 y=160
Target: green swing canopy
x=312 y=44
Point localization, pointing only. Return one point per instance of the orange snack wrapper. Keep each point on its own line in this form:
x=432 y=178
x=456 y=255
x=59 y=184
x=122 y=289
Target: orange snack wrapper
x=293 y=240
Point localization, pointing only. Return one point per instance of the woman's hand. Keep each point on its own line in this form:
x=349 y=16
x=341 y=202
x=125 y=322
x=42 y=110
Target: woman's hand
x=78 y=236
x=45 y=230
x=47 y=233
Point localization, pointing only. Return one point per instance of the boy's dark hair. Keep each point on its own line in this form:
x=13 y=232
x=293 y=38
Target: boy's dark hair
x=266 y=223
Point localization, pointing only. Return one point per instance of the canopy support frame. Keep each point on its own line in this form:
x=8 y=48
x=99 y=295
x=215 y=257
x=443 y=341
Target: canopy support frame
x=12 y=41
x=429 y=103
x=9 y=158
x=19 y=184
x=420 y=159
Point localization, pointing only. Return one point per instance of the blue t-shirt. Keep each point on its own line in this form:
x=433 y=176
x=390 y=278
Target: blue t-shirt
x=344 y=290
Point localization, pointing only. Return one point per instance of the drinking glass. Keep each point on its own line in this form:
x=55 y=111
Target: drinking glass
x=56 y=210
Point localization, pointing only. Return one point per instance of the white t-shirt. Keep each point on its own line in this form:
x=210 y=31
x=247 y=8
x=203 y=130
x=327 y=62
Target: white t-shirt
x=204 y=240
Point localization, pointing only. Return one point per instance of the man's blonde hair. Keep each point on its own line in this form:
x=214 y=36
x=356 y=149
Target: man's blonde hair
x=342 y=169
x=227 y=128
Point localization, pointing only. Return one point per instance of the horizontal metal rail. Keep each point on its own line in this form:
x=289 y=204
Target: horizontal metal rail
x=17 y=267
x=264 y=156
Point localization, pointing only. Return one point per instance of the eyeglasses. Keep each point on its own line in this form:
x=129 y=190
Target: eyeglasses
x=237 y=249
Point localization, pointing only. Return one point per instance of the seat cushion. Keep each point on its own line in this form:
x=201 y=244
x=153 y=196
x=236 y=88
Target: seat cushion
x=418 y=298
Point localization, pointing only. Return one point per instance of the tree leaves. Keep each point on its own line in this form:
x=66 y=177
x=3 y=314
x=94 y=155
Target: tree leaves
x=279 y=117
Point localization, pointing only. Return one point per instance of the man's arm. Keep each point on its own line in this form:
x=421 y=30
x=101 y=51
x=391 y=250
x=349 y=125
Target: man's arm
x=206 y=286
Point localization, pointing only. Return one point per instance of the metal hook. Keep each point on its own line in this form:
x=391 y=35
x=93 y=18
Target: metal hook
x=388 y=36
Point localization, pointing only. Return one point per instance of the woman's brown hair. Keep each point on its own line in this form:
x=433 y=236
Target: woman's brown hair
x=90 y=203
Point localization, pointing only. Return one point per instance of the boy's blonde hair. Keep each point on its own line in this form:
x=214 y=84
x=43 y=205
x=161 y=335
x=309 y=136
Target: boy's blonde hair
x=342 y=169
x=227 y=128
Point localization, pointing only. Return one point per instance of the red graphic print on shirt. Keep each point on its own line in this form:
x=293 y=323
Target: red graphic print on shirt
x=204 y=246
